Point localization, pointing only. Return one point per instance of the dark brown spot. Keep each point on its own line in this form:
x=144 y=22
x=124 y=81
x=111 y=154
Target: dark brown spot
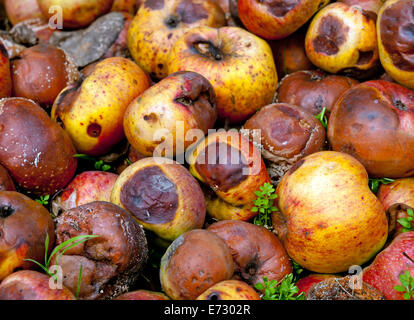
x=160 y=66
x=191 y=12
x=331 y=35
x=150 y=196
x=222 y=166
x=152 y=117
x=397 y=34
x=208 y=50
x=154 y=4
x=279 y=8
x=94 y=130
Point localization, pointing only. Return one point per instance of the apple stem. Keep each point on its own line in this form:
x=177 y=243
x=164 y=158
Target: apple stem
x=407 y=256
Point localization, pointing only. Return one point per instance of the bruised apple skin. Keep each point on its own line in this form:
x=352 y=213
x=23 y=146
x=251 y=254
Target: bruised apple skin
x=76 y=14
x=159 y=23
x=233 y=168
x=256 y=251
x=181 y=102
x=142 y=295
x=222 y=55
x=36 y=152
x=6 y=182
x=329 y=219
x=24 y=224
x=318 y=90
x=21 y=10
x=368 y=120
x=162 y=196
x=41 y=72
x=284 y=134
x=277 y=19
x=92 y=111
x=230 y=290
x=342 y=38
x=86 y=187
x=383 y=273
x=111 y=263
x=31 y=285
x=194 y=262
x=396 y=40
x=397 y=197
x=369 y=6
x=5 y=76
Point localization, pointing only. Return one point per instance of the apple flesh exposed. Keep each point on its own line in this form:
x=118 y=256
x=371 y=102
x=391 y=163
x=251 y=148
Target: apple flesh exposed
x=329 y=219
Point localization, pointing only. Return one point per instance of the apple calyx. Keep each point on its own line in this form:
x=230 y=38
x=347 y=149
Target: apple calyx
x=6 y=211
x=172 y=21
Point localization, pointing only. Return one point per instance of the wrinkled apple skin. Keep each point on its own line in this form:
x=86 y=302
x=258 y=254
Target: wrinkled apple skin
x=37 y=152
x=194 y=262
x=31 y=285
x=273 y=20
x=383 y=273
x=368 y=120
x=230 y=290
x=341 y=38
x=256 y=251
x=397 y=197
x=172 y=201
x=24 y=224
x=182 y=101
x=159 y=24
x=76 y=13
x=21 y=10
x=222 y=55
x=142 y=295
x=369 y=6
x=396 y=41
x=307 y=282
x=329 y=219
x=41 y=72
x=86 y=187
x=235 y=172
x=92 y=112
x=5 y=76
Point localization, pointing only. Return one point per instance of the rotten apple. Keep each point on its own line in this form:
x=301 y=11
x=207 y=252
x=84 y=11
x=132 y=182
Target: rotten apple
x=21 y=10
x=229 y=290
x=5 y=76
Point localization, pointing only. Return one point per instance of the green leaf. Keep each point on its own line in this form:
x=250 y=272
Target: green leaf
x=259 y=286
x=400 y=288
x=79 y=281
x=406 y=224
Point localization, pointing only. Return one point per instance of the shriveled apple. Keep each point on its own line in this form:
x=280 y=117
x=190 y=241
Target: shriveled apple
x=342 y=38
x=162 y=196
x=194 y=262
x=92 y=111
x=329 y=219
x=158 y=25
x=230 y=290
x=304 y=284
x=181 y=102
x=238 y=64
x=21 y=10
x=271 y=19
x=233 y=168
x=396 y=40
x=37 y=153
x=374 y=122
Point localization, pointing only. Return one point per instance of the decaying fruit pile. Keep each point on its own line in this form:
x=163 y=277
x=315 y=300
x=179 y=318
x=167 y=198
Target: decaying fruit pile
x=310 y=177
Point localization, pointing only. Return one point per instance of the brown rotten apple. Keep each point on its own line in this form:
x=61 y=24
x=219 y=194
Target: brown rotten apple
x=284 y=134
x=256 y=251
x=313 y=90
x=396 y=40
x=142 y=295
x=76 y=13
x=385 y=271
x=37 y=153
x=342 y=38
x=162 y=196
x=31 y=285
x=374 y=122
x=92 y=111
x=238 y=64
x=6 y=182
x=397 y=197
x=329 y=219
x=24 y=225
x=159 y=23
x=194 y=262
x=21 y=10
x=272 y=19
x=5 y=76
x=230 y=290
x=111 y=262
x=181 y=102
x=41 y=72
x=233 y=168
